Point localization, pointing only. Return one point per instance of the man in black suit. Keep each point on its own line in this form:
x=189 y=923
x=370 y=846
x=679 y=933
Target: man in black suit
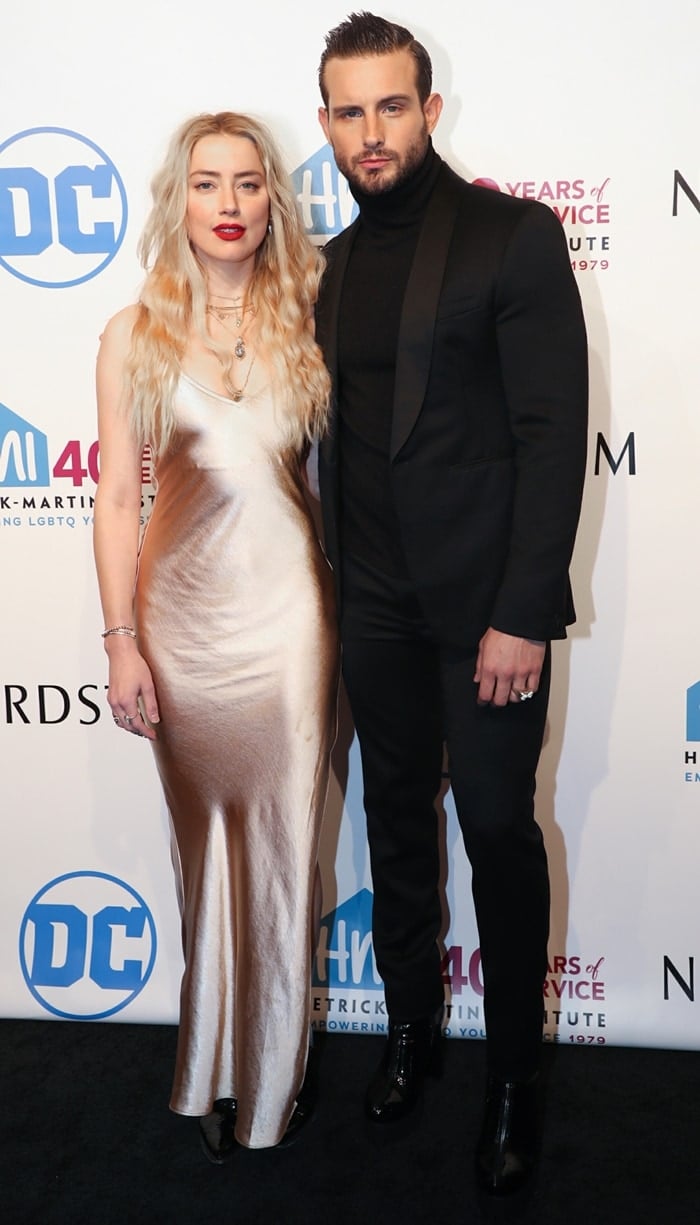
x=451 y=483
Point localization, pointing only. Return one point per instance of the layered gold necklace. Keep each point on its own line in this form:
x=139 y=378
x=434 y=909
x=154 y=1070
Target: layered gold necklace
x=234 y=311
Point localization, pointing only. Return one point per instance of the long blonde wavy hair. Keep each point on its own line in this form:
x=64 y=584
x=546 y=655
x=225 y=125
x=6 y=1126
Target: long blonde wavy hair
x=283 y=291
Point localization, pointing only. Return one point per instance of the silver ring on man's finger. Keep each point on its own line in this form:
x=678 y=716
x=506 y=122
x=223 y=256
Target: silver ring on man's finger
x=526 y=694
x=130 y=718
x=116 y=719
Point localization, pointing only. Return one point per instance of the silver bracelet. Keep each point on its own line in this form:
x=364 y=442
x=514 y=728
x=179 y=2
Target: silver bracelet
x=120 y=629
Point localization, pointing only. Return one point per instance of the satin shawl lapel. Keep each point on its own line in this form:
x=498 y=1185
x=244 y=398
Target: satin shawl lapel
x=420 y=306
x=327 y=324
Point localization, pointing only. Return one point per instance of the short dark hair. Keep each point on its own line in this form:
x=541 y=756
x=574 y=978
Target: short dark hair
x=366 y=34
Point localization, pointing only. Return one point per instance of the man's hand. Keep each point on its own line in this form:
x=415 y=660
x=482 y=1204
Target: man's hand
x=507 y=667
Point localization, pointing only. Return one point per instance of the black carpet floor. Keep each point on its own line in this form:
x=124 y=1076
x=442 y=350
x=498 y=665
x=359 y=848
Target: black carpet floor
x=86 y=1137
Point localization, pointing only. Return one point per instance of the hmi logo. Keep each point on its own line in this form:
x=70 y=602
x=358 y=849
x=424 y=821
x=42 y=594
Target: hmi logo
x=345 y=955
x=24 y=453
x=63 y=207
x=327 y=206
x=87 y=945
x=692 y=712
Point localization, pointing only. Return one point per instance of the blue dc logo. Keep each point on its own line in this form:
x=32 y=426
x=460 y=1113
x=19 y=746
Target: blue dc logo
x=63 y=207
x=324 y=196
x=87 y=945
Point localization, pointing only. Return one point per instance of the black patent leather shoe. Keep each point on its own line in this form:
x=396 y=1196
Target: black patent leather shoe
x=305 y=1106
x=412 y=1052
x=216 y=1131
x=507 y=1148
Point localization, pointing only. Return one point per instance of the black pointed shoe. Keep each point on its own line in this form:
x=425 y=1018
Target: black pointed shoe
x=216 y=1131
x=305 y=1105
x=412 y=1052
x=507 y=1148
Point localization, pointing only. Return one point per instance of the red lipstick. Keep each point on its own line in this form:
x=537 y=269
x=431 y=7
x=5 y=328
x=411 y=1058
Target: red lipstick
x=229 y=233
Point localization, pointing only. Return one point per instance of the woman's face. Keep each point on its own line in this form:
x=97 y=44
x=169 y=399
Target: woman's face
x=228 y=206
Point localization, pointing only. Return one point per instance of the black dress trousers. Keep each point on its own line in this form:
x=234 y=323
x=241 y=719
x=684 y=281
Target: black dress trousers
x=410 y=694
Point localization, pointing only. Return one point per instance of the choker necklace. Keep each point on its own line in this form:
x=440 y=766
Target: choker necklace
x=224 y=312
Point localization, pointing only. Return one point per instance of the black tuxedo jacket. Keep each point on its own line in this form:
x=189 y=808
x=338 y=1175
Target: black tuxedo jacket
x=489 y=425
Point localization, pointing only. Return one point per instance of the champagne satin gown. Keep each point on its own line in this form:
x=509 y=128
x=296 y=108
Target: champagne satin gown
x=235 y=616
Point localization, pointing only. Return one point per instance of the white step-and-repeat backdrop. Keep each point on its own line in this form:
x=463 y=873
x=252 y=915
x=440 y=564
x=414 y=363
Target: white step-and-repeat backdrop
x=593 y=110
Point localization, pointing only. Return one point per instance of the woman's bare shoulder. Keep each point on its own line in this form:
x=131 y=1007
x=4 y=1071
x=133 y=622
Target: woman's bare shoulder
x=121 y=325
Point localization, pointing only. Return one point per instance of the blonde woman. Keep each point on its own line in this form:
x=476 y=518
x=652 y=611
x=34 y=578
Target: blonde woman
x=220 y=628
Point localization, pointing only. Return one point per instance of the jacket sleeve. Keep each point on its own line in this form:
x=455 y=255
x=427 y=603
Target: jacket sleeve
x=542 y=347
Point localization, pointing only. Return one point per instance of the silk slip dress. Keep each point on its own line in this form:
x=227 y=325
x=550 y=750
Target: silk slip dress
x=235 y=616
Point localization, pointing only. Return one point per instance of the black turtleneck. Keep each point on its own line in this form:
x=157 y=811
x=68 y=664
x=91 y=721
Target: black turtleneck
x=368 y=329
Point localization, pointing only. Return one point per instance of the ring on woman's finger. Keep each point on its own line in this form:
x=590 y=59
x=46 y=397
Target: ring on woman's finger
x=116 y=719
x=524 y=695
x=129 y=718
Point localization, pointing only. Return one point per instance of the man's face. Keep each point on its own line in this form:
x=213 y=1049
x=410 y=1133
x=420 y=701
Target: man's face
x=375 y=121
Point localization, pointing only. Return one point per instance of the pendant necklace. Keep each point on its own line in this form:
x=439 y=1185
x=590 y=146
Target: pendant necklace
x=237 y=309
x=237 y=393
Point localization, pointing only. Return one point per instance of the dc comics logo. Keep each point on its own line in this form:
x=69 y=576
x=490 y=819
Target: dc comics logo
x=63 y=207
x=87 y=945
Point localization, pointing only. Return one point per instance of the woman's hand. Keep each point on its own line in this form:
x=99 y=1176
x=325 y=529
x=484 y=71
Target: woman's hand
x=131 y=693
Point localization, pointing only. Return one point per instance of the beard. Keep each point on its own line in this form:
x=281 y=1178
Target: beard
x=397 y=171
